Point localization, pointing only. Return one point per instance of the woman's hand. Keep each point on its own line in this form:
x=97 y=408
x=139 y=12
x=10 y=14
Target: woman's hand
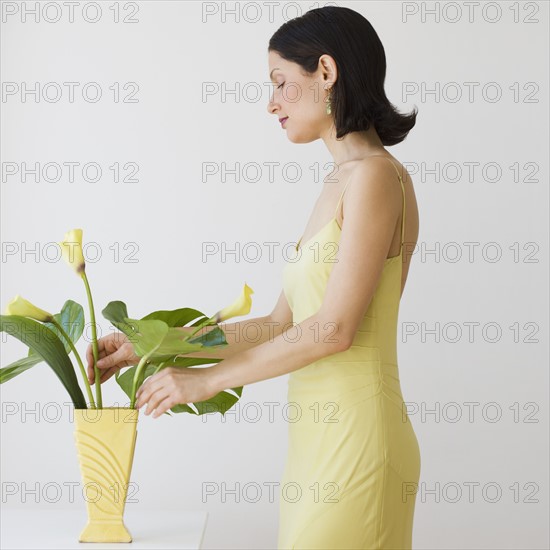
x=173 y=386
x=115 y=352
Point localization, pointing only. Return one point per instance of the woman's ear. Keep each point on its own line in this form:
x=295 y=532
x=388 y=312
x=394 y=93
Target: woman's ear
x=328 y=68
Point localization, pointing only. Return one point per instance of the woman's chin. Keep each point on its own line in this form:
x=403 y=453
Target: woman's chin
x=295 y=137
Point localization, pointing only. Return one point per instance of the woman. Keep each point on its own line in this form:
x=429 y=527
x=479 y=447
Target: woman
x=353 y=460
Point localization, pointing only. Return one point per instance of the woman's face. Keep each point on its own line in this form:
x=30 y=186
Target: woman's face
x=298 y=98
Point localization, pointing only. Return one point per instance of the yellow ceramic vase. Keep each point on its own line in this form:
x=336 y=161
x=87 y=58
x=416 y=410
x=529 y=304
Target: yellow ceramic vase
x=105 y=441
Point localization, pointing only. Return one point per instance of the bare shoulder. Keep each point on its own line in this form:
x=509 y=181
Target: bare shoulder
x=380 y=166
x=374 y=184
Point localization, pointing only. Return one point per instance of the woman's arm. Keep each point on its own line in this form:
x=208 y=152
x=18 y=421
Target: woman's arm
x=306 y=342
x=244 y=335
x=240 y=336
x=312 y=339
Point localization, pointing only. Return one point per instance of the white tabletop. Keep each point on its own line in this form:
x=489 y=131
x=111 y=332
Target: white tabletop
x=37 y=529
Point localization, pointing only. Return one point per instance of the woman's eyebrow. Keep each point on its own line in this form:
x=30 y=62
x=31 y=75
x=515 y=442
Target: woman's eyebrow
x=271 y=73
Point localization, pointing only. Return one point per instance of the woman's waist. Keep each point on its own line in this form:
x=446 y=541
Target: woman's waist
x=342 y=384
x=329 y=376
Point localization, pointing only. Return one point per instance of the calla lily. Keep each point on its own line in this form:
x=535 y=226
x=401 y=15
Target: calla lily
x=22 y=307
x=71 y=250
x=241 y=306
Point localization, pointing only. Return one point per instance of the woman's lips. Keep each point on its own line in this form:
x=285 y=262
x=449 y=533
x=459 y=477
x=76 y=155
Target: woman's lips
x=283 y=120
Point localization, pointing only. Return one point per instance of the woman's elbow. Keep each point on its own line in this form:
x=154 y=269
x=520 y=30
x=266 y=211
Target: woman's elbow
x=334 y=334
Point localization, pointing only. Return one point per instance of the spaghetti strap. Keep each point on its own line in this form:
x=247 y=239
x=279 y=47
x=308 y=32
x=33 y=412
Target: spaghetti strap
x=341 y=197
x=403 y=214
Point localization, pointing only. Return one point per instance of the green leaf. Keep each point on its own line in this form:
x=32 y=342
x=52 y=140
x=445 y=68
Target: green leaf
x=181 y=317
x=221 y=403
x=19 y=366
x=173 y=343
x=214 y=337
x=151 y=337
x=176 y=317
x=117 y=313
x=46 y=343
x=145 y=335
x=71 y=318
x=159 y=330
x=191 y=361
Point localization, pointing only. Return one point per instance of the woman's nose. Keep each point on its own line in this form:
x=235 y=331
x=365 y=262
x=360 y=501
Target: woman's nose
x=271 y=107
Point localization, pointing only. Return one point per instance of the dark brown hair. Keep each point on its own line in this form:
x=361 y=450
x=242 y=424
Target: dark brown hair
x=358 y=99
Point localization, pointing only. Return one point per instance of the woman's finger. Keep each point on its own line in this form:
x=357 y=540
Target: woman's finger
x=156 y=398
x=90 y=358
x=107 y=374
x=111 y=360
x=148 y=388
x=163 y=406
x=146 y=384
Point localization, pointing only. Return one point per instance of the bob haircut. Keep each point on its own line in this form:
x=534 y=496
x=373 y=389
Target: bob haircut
x=358 y=99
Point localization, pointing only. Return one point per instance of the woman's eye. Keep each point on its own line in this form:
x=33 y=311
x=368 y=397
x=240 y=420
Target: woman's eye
x=280 y=85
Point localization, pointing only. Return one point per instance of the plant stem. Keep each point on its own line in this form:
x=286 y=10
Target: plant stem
x=202 y=324
x=159 y=367
x=137 y=376
x=94 y=342
x=78 y=359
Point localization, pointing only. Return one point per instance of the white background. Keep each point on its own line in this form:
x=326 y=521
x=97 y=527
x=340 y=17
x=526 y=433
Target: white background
x=172 y=211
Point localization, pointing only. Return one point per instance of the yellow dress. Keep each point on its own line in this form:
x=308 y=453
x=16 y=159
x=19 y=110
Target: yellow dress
x=353 y=464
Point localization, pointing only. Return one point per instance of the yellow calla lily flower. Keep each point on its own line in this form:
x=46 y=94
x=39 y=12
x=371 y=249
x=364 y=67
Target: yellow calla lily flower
x=241 y=306
x=22 y=307
x=71 y=250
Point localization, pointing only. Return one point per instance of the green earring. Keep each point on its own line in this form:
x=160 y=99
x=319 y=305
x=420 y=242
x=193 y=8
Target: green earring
x=329 y=104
